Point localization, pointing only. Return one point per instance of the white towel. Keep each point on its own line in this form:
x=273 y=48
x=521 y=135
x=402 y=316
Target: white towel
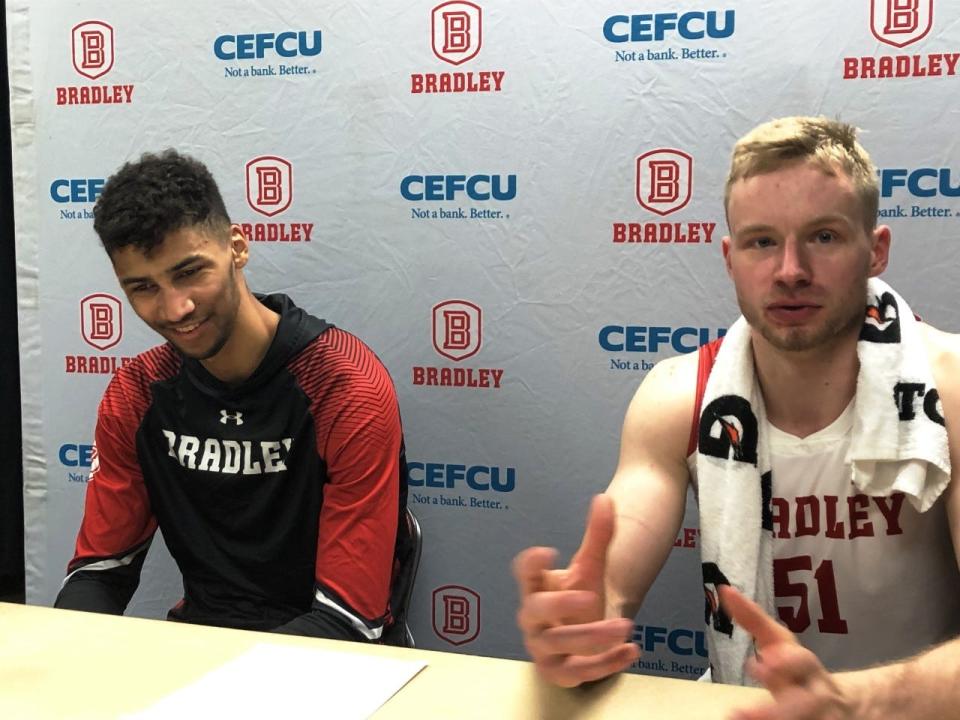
x=899 y=444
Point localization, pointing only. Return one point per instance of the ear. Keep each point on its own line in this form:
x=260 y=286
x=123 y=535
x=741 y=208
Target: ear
x=239 y=246
x=879 y=250
x=725 y=246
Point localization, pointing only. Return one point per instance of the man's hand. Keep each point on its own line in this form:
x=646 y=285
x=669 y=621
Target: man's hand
x=801 y=687
x=562 y=611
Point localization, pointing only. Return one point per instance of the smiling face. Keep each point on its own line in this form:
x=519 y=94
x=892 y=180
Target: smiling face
x=799 y=255
x=188 y=288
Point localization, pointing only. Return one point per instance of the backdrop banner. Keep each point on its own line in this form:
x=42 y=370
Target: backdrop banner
x=518 y=206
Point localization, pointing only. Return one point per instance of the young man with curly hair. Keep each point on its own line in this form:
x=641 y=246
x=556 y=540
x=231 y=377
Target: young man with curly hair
x=263 y=442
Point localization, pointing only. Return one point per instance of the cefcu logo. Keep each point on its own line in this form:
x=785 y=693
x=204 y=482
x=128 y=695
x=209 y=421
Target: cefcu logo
x=101 y=327
x=269 y=185
x=93 y=53
x=651 y=339
x=663 y=186
x=899 y=24
x=488 y=484
x=79 y=459
x=672 y=652
x=456 y=35
x=457 y=333
x=76 y=191
x=292 y=52
x=450 y=188
x=456 y=614
x=918 y=193
x=689 y=30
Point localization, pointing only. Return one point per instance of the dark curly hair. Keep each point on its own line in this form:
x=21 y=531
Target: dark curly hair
x=146 y=200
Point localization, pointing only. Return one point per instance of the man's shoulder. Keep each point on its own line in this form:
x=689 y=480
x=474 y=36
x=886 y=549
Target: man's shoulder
x=131 y=383
x=158 y=363
x=657 y=426
x=943 y=355
x=664 y=404
x=338 y=357
x=346 y=385
x=338 y=346
x=674 y=378
x=941 y=345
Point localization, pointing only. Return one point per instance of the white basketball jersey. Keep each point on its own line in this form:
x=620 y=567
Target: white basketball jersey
x=859 y=579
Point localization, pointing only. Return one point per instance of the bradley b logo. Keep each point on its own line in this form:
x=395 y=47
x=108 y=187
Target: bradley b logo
x=900 y=22
x=101 y=320
x=269 y=184
x=456 y=31
x=92 y=48
x=457 y=329
x=664 y=180
x=456 y=614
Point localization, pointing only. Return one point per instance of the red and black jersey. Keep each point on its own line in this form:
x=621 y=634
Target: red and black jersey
x=278 y=498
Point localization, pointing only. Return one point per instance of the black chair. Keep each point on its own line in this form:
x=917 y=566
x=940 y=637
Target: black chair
x=408 y=562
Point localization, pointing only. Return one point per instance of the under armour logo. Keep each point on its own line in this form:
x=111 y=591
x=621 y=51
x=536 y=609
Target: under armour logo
x=237 y=417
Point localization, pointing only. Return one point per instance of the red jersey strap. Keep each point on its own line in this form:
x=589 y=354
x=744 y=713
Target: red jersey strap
x=707 y=356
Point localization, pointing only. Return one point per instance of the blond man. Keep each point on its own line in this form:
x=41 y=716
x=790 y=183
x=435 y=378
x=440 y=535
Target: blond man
x=818 y=435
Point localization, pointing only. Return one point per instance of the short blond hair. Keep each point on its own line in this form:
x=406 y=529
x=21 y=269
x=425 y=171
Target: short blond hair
x=828 y=143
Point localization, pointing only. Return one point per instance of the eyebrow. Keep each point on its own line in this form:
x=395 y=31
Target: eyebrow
x=821 y=220
x=189 y=260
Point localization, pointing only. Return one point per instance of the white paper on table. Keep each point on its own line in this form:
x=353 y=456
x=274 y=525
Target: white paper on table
x=279 y=681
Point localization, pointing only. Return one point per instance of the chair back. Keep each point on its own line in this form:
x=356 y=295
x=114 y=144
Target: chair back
x=410 y=544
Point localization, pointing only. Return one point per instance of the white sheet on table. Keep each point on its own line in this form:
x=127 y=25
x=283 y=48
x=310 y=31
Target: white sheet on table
x=279 y=681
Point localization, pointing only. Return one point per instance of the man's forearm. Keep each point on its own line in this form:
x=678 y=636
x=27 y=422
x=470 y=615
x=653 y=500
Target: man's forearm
x=95 y=591
x=103 y=585
x=924 y=687
x=321 y=623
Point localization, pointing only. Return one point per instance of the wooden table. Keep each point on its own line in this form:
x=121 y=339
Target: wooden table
x=64 y=664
